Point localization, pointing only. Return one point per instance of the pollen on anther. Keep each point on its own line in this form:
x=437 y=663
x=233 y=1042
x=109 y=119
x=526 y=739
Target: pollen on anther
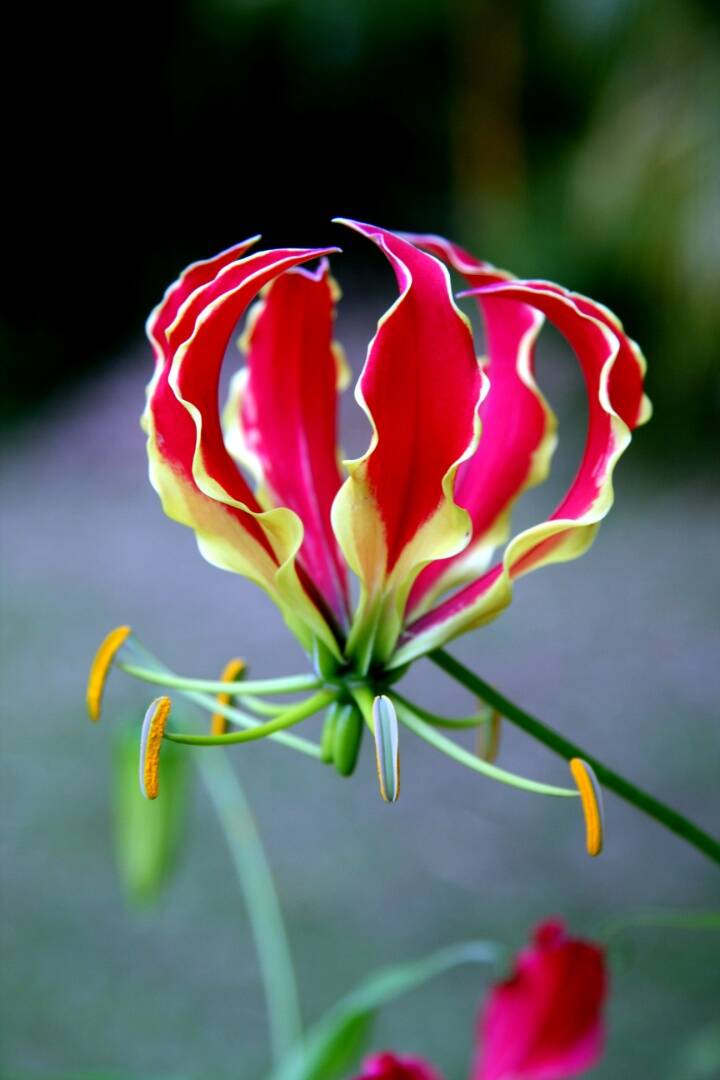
x=592 y=804
x=233 y=670
x=151 y=738
x=100 y=668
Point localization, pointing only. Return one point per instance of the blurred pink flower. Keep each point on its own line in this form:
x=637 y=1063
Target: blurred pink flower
x=545 y=1021
x=391 y=1067
x=542 y=1023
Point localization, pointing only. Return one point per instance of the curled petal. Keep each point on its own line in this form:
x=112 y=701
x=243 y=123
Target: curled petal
x=283 y=416
x=613 y=370
x=163 y=316
x=192 y=278
x=197 y=480
x=518 y=430
x=420 y=388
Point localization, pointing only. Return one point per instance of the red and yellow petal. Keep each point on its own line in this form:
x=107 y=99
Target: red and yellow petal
x=285 y=416
x=420 y=388
x=191 y=279
x=518 y=431
x=613 y=369
x=198 y=482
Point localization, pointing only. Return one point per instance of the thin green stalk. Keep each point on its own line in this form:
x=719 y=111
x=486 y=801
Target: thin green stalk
x=261 y=899
x=293 y=684
x=235 y=716
x=407 y=715
x=660 y=919
x=291 y=716
x=287 y=738
x=645 y=802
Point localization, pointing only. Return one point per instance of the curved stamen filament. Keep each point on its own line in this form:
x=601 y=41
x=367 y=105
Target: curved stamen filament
x=204 y=701
x=290 y=717
x=235 y=716
x=406 y=713
x=459 y=723
x=591 y=797
x=293 y=684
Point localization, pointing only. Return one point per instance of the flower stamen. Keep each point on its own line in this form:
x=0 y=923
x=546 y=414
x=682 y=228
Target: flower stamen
x=233 y=670
x=387 y=754
x=100 y=668
x=153 y=730
x=592 y=804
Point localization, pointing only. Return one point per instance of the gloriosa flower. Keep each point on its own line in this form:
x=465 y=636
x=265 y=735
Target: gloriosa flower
x=455 y=439
x=544 y=1022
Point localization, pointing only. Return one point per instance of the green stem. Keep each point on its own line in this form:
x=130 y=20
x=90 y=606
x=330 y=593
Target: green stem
x=406 y=713
x=645 y=802
x=661 y=920
x=261 y=899
x=322 y=1051
x=293 y=684
x=287 y=719
x=288 y=738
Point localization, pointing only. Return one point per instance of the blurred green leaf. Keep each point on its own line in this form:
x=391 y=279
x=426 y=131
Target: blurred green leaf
x=700 y=1058
x=336 y=1041
x=104 y=1076
x=147 y=834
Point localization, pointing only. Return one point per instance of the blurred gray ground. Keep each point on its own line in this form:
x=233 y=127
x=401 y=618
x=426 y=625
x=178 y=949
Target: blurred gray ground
x=619 y=650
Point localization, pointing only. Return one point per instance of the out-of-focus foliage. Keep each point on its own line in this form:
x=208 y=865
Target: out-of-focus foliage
x=574 y=141
x=608 y=120
x=147 y=834
x=336 y=1041
x=700 y=1058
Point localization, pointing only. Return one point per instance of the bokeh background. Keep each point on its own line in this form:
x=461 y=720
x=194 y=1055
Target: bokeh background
x=571 y=141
